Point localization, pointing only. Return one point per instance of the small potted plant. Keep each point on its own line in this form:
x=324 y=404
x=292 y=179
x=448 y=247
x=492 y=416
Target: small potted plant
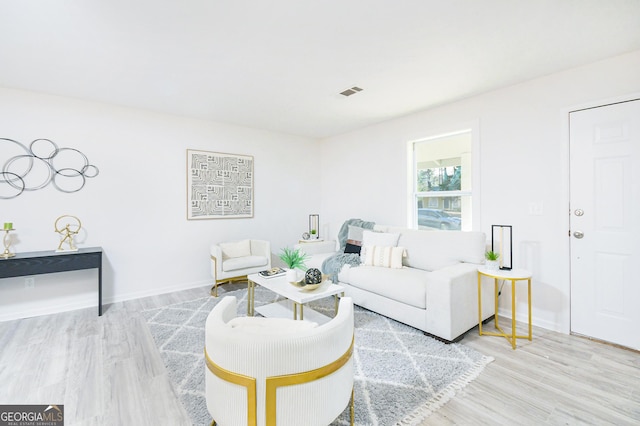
x=492 y=260
x=294 y=259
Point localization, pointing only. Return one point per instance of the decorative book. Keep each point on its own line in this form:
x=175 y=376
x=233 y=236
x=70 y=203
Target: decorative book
x=273 y=272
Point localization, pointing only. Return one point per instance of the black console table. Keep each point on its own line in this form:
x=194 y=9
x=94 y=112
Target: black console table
x=47 y=262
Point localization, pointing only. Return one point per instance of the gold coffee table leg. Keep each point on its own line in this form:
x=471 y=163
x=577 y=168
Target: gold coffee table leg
x=251 y=294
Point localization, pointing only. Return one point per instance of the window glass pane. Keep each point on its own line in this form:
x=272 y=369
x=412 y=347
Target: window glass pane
x=440 y=213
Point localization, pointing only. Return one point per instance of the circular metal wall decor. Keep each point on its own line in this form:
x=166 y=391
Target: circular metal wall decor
x=42 y=163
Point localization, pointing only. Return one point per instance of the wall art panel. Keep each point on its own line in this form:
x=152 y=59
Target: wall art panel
x=219 y=186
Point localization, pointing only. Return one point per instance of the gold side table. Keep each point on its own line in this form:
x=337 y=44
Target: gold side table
x=513 y=276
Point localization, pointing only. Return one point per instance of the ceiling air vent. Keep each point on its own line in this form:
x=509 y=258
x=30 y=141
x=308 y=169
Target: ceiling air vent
x=351 y=91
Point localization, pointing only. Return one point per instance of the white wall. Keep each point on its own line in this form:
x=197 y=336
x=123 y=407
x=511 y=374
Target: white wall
x=523 y=156
x=136 y=207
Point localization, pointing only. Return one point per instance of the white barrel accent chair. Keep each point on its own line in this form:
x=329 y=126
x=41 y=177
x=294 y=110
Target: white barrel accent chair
x=233 y=261
x=268 y=371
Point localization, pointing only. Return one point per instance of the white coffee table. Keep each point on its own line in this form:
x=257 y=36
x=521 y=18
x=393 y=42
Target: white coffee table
x=295 y=298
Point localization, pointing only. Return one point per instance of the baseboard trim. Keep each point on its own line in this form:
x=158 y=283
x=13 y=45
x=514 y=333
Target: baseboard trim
x=156 y=291
x=92 y=302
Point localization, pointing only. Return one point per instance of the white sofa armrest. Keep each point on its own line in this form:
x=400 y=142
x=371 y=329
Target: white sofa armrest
x=317 y=248
x=216 y=260
x=452 y=300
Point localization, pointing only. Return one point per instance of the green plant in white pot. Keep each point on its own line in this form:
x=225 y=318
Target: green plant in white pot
x=294 y=259
x=492 y=260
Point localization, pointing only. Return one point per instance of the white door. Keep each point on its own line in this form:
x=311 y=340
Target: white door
x=605 y=223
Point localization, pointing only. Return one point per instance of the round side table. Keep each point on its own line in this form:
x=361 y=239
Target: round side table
x=513 y=275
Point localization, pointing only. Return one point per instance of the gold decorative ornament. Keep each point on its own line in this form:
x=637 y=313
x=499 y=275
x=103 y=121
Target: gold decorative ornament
x=67 y=232
x=302 y=284
x=6 y=240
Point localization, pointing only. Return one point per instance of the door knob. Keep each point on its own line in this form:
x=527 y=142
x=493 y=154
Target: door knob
x=578 y=234
x=579 y=212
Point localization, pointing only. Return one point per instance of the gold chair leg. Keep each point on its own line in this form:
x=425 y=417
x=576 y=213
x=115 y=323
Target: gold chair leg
x=214 y=289
x=353 y=414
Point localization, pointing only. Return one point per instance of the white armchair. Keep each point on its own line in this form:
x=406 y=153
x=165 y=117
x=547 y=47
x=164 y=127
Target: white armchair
x=260 y=371
x=233 y=261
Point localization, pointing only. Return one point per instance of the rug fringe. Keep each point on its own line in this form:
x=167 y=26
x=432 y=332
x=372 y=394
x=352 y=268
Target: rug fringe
x=442 y=397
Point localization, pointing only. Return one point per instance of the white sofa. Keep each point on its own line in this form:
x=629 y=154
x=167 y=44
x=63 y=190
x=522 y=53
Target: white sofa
x=436 y=289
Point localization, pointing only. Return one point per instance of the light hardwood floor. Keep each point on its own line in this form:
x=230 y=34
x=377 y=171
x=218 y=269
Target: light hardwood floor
x=107 y=371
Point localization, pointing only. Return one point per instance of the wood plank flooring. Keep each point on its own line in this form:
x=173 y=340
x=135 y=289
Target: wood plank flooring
x=107 y=371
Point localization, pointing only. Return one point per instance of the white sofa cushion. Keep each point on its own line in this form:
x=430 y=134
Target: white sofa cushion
x=406 y=285
x=433 y=250
x=244 y=263
x=235 y=249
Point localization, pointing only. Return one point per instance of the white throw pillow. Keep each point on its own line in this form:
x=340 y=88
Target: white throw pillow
x=355 y=234
x=386 y=239
x=354 y=240
x=236 y=249
x=386 y=257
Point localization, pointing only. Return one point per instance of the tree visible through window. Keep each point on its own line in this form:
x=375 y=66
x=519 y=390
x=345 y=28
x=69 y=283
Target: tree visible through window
x=440 y=179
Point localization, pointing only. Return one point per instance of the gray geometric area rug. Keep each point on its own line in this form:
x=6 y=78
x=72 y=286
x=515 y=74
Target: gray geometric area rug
x=401 y=375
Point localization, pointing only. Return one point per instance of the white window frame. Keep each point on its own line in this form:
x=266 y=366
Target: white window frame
x=474 y=193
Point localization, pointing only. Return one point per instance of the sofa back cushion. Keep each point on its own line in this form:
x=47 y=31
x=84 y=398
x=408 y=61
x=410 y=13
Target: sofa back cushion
x=433 y=250
x=371 y=238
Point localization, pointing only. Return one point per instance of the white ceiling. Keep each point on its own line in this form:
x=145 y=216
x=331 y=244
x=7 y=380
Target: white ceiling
x=279 y=65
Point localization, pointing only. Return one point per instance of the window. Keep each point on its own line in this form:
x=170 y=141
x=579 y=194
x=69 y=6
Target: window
x=442 y=176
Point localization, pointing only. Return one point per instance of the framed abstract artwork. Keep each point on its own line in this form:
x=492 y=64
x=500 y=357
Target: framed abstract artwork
x=219 y=186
